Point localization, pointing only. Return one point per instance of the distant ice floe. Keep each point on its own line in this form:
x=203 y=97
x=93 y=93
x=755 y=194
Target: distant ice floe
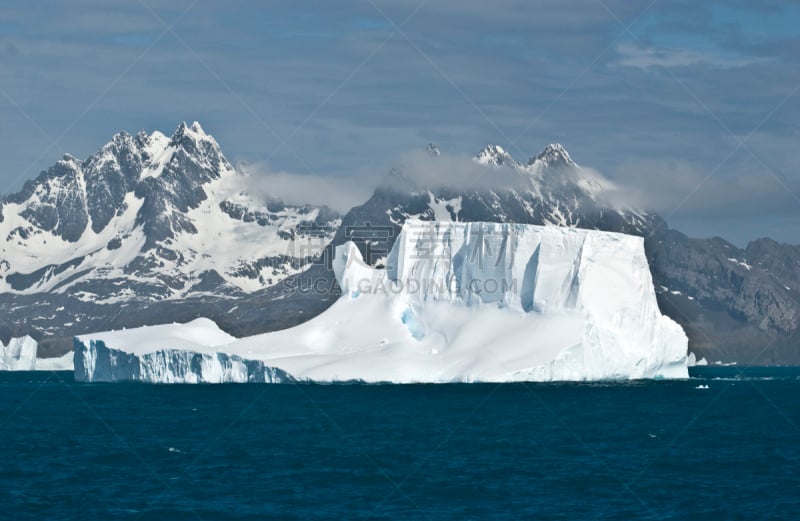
x=692 y=361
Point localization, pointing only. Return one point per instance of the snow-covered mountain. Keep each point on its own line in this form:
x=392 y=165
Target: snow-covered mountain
x=457 y=302
x=548 y=189
x=151 y=217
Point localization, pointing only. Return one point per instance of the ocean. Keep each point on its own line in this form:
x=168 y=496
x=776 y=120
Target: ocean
x=638 y=450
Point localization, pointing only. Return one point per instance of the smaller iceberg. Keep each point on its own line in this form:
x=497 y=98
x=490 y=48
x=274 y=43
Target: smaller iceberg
x=168 y=353
x=18 y=355
x=21 y=355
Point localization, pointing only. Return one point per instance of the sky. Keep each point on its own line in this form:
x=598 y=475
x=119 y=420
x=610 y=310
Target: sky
x=692 y=105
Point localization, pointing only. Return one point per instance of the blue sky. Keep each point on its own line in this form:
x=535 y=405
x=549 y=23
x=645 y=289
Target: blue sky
x=694 y=105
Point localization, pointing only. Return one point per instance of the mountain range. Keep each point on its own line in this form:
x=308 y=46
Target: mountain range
x=154 y=229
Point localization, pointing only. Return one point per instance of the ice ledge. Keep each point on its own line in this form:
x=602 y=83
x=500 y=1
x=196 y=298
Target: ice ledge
x=96 y=362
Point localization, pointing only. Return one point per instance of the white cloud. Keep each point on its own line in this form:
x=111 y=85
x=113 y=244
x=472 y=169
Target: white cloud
x=414 y=170
x=674 y=187
x=632 y=55
x=337 y=192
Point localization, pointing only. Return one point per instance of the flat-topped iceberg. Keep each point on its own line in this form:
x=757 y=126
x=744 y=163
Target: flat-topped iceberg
x=457 y=302
x=169 y=353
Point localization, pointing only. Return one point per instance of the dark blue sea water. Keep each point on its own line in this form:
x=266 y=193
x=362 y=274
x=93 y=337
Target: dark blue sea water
x=643 y=450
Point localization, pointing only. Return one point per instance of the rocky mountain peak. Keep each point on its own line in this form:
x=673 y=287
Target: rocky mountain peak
x=193 y=131
x=553 y=155
x=121 y=137
x=191 y=142
x=494 y=155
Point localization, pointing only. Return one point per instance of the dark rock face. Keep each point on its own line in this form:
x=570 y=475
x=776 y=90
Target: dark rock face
x=23 y=281
x=782 y=261
x=57 y=201
x=740 y=305
x=716 y=272
x=111 y=174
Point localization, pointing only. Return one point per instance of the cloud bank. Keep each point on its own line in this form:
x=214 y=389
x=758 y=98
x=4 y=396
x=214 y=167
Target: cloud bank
x=414 y=170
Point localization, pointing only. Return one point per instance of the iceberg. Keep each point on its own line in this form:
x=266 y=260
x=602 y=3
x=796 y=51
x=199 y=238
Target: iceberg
x=18 y=355
x=457 y=302
x=168 y=353
x=21 y=355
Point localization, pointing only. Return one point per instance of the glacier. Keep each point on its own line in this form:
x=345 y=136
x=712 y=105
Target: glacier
x=456 y=302
x=20 y=354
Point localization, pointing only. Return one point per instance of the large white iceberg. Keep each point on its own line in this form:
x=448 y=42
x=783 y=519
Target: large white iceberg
x=457 y=302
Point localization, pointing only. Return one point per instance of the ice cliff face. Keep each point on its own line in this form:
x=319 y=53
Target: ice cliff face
x=456 y=302
x=96 y=362
x=541 y=272
x=170 y=353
